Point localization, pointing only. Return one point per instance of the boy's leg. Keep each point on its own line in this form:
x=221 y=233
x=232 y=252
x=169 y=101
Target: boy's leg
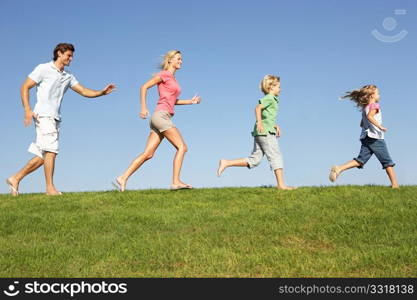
x=250 y=162
x=279 y=175
x=272 y=151
x=49 y=166
x=31 y=166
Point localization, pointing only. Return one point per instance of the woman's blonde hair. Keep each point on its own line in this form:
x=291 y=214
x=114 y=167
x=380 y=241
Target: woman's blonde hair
x=362 y=96
x=167 y=59
x=267 y=82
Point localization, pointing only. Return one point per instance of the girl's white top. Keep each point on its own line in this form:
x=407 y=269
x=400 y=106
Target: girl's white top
x=369 y=129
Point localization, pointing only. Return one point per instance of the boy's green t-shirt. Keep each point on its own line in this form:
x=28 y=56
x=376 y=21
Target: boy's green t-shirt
x=268 y=114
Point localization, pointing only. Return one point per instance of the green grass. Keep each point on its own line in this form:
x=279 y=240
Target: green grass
x=343 y=231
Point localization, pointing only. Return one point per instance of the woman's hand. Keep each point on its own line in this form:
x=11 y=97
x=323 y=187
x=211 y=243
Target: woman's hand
x=196 y=99
x=144 y=113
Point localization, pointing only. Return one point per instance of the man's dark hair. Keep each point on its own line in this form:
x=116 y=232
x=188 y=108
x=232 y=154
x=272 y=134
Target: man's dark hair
x=62 y=47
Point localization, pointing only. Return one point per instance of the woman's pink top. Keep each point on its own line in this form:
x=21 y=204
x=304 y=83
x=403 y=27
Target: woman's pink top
x=169 y=90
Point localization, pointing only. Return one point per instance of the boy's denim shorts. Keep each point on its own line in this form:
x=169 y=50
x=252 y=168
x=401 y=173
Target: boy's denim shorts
x=374 y=146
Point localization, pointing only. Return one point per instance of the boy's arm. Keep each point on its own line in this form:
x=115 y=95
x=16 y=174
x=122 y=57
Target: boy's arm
x=86 y=92
x=24 y=94
x=371 y=119
x=258 y=115
x=278 y=130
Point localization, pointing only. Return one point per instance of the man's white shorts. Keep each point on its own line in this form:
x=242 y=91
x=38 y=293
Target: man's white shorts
x=47 y=135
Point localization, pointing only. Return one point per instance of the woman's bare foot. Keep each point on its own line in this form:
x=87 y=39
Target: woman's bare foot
x=13 y=185
x=180 y=186
x=222 y=166
x=121 y=182
x=395 y=186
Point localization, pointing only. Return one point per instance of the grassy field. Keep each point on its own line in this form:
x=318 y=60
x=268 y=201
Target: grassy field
x=342 y=231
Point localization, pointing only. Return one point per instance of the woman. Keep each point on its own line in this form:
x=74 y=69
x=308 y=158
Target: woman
x=161 y=124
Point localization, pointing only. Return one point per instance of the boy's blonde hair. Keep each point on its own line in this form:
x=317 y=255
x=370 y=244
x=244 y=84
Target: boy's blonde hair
x=267 y=82
x=167 y=59
x=362 y=96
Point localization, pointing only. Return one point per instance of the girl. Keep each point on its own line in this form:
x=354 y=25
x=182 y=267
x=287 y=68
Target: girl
x=161 y=124
x=265 y=134
x=372 y=135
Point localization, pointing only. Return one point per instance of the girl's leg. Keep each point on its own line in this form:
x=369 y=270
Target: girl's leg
x=224 y=163
x=392 y=177
x=336 y=170
x=151 y=145
x=173 y=135
x=279 y=175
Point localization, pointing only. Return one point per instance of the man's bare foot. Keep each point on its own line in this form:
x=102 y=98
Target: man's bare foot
x=286 y=188
x=334 y=173
x=222 y=166
x=396 y=186
x=121 y=183
x=53 y=192
x=13 y=185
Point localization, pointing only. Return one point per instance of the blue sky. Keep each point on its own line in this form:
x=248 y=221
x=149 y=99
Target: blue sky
x=320 y=49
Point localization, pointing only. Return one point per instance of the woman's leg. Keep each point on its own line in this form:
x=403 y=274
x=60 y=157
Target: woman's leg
x=173 y=135
x=151 y=145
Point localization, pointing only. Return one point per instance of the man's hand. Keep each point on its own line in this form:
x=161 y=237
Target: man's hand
x=29 y=115
x=109 y=88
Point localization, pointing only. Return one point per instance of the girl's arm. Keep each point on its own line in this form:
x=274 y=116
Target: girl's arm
x=195 y=100
x=258 y=115
x=371 y=119
x=144 y=112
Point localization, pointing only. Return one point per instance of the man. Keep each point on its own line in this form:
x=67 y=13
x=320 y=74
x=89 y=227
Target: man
x=52 y=81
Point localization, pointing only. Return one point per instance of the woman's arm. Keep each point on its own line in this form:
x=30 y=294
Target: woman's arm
x=144 y=112
x=195 y=100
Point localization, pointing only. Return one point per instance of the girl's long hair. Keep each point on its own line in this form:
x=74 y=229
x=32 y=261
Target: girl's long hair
x=362 y=96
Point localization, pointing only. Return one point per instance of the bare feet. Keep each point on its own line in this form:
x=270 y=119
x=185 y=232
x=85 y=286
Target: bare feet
x=53 y=192
x=180 y=186
x=286 y=188
x=222 y=166
x=121 y=183
x=13 y=185
x=395 y=186
x=334 y=173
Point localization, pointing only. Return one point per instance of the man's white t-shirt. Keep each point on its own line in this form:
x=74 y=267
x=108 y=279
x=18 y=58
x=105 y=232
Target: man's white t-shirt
x=51 y=85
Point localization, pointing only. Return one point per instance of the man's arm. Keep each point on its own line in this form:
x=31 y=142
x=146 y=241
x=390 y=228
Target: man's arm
x=86 y=92
x=24 y=94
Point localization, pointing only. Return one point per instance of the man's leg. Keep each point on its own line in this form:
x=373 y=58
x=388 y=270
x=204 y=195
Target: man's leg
x=49 y=166
x=31 y=166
